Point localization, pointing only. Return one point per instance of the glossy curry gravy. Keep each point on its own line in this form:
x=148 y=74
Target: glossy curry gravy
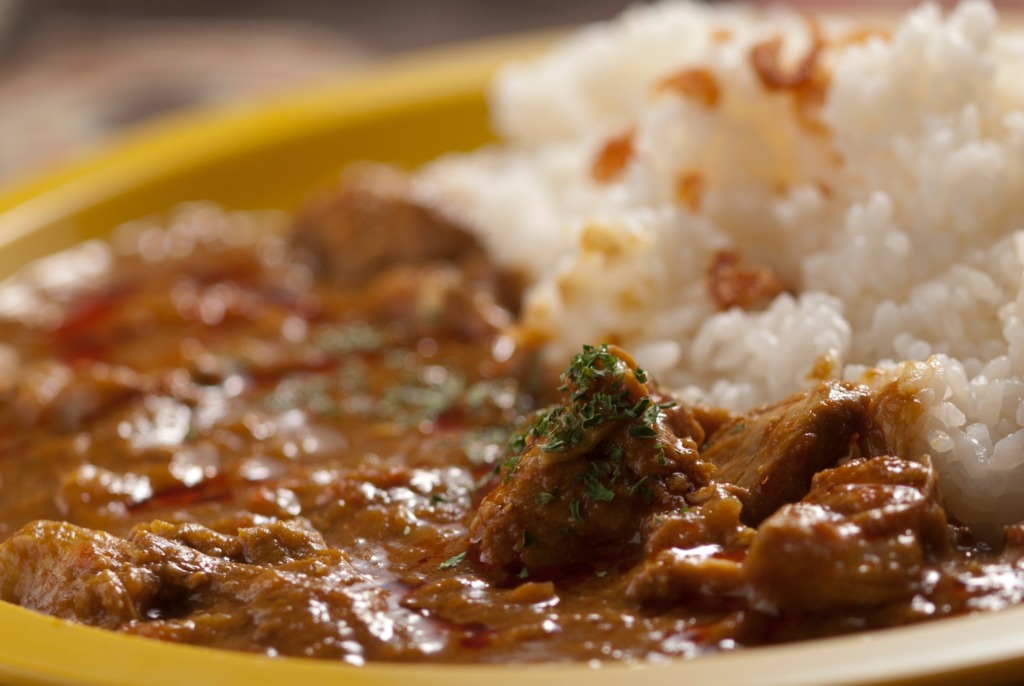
x=332 y=442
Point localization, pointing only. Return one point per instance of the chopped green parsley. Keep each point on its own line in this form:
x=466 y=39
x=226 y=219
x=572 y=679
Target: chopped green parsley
x=574 y=511
x=452 y=561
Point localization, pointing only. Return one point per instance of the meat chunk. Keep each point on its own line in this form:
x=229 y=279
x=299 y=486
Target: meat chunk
x=443 y=300
x=894 y=412
x=696 y=555
x=590 y=472
x=370 y=222
x=75 y=573
x=773 y=452
x=271 y=544
x=419 y=269
x=862 y=537
x=274 y=586
x=63 y=398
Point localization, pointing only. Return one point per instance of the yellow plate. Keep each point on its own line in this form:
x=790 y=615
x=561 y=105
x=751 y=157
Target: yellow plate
x=268 y=157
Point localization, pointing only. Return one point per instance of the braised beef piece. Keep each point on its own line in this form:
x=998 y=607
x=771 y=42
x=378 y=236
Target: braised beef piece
x=90 y=575
x=695 y=555
x=370 y=221
x=892 y=415
x=65 y=398
x=772 y=452
x=712 y=418
x=590 y=473
x=762 y=460
x=444 y=300
x=268 y=584
x=421 y=269
x=862 y=537
x=74 y=573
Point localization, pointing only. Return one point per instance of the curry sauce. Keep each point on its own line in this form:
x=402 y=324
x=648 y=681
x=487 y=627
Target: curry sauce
x=333 y=442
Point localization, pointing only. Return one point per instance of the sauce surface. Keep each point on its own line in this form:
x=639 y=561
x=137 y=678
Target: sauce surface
x=334 y=444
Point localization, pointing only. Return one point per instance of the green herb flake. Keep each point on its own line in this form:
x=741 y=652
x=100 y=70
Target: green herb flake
x=642 y=431
x=510 y=465
x=595 y=490
x=638 y=484
x=574 y=511
x=594 y=381
x=357 y=337
x=298 y=391
x=645 y=429
x=485 y=445
x=423 y=396
x=543 y=498
x=453 y=561
x=524 y=573
x=638 y=409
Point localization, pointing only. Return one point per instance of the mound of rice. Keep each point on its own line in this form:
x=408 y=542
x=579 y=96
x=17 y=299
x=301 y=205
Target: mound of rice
x=880 y=174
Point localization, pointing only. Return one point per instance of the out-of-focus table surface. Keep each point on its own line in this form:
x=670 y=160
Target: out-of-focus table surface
x=73 y=73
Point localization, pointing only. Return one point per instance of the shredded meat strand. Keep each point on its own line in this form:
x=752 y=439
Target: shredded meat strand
x=861 y=35
x=689 y=188
x=721 y=36
x=807 y=81
x=613 y=157
x=731 y=282
x=696 y=84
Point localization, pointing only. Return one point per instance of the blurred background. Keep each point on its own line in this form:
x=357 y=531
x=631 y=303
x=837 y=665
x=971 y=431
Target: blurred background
x=73 y=73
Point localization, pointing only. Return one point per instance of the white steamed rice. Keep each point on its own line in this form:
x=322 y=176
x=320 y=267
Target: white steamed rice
x=901 y=228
